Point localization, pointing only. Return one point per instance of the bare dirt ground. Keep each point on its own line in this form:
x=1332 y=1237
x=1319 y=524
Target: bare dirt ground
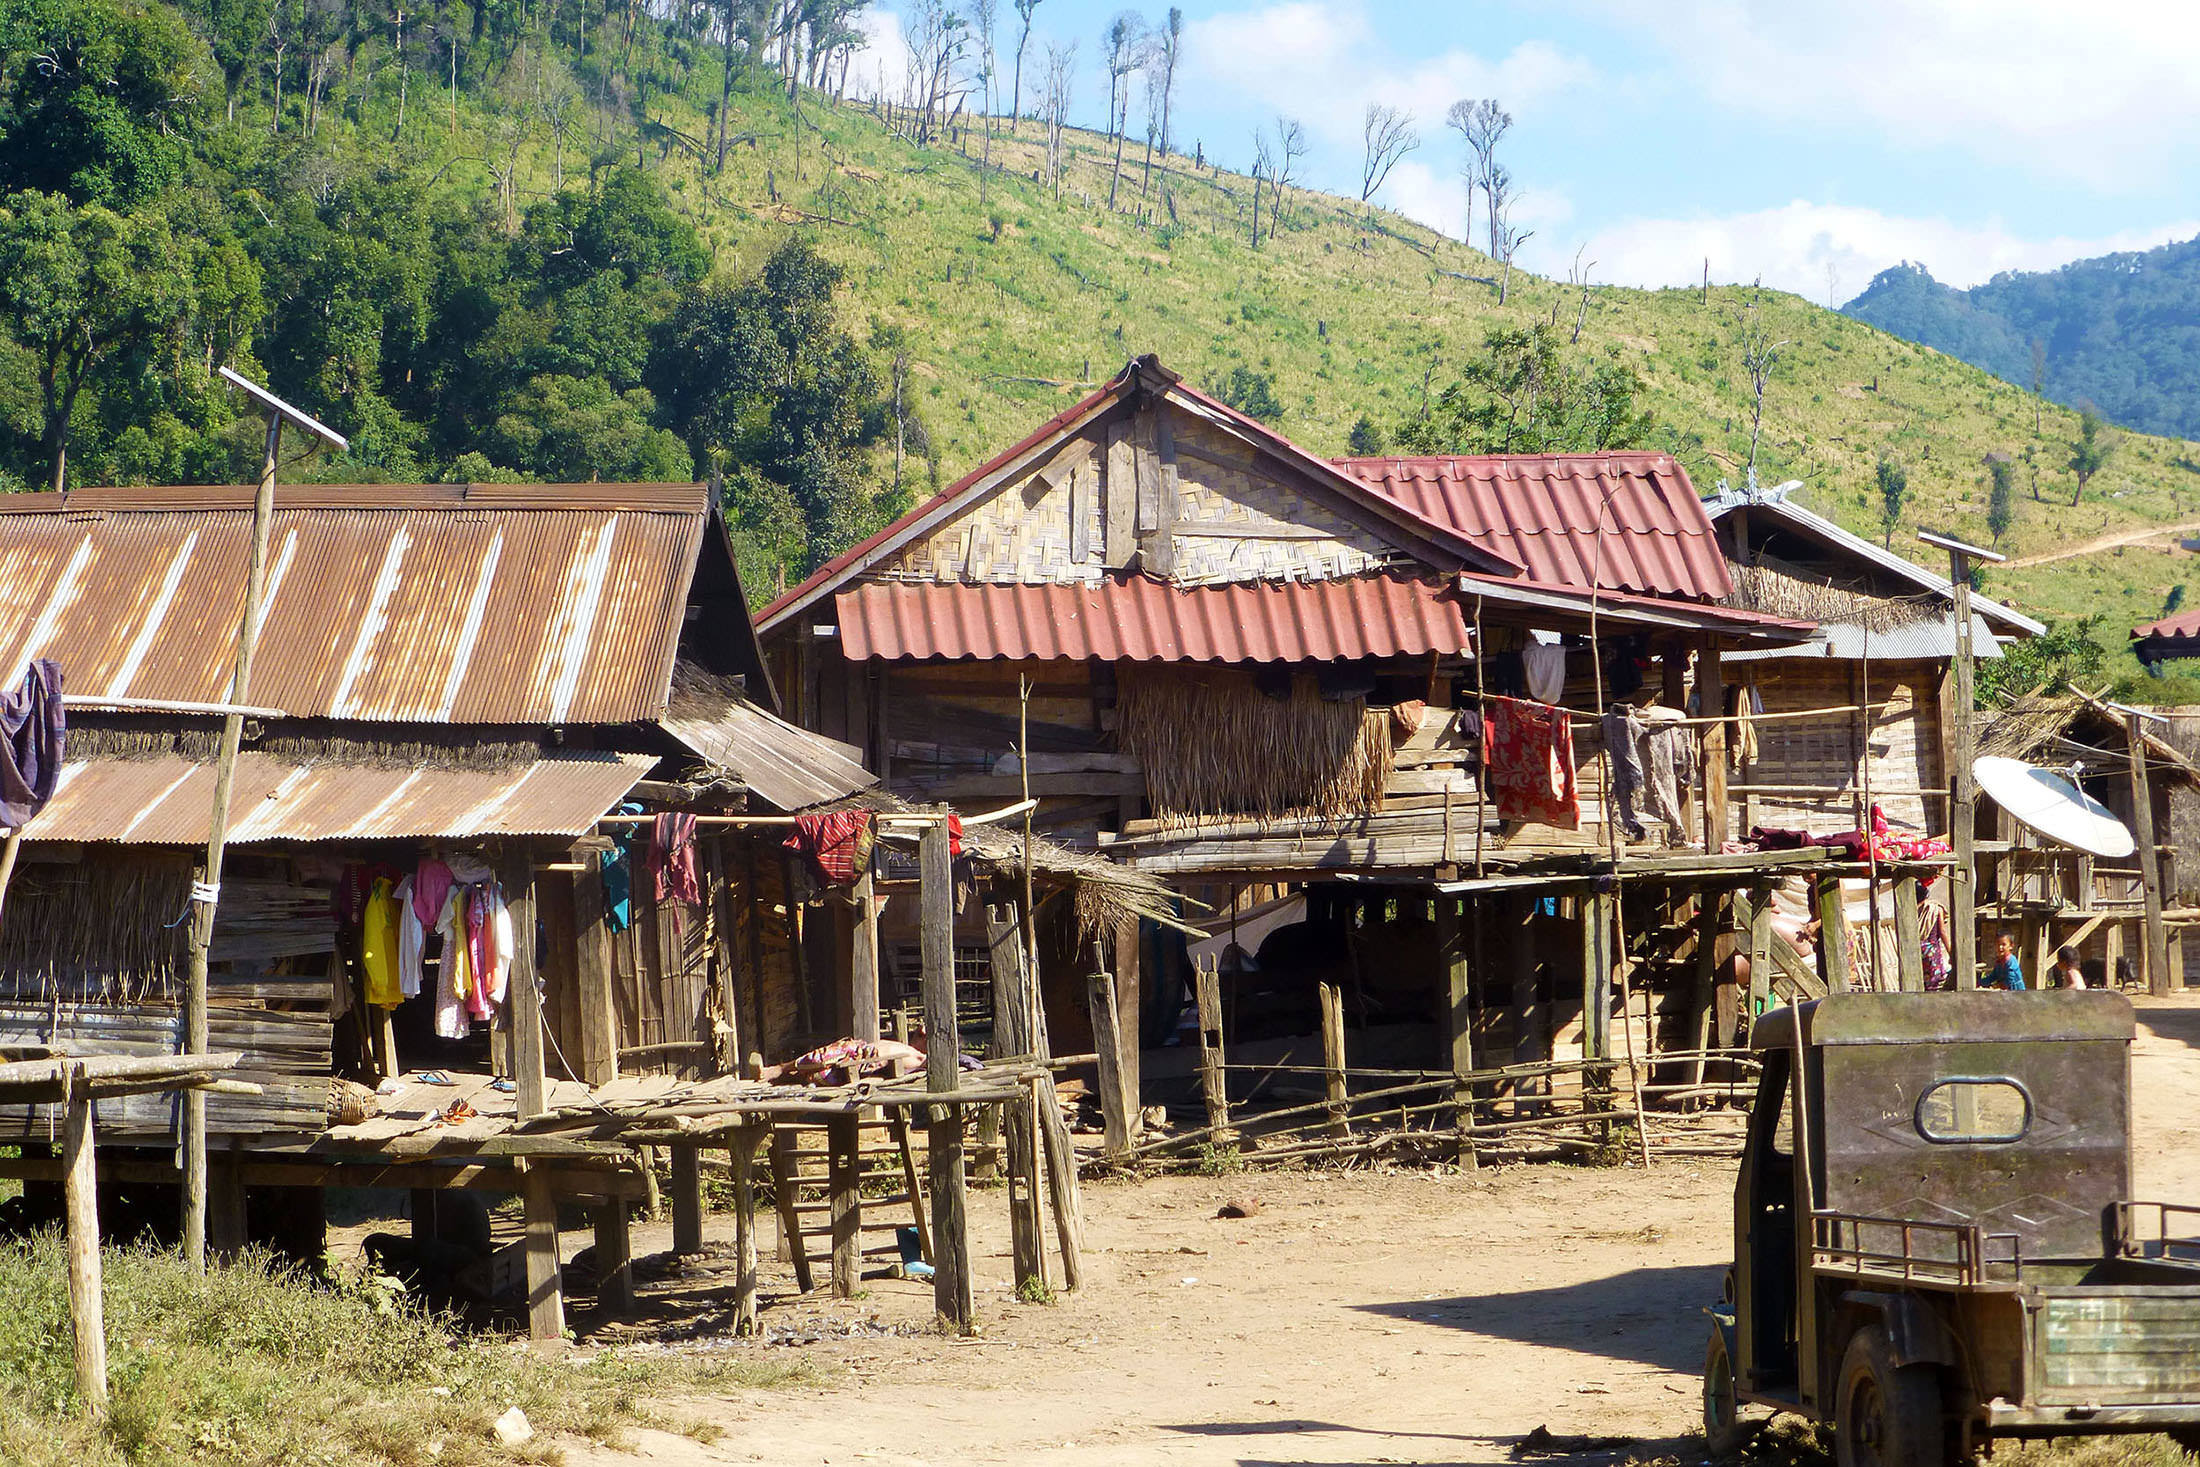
x=1358 y=1318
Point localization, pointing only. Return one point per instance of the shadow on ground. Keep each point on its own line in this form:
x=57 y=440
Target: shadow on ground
x=1652 y=1316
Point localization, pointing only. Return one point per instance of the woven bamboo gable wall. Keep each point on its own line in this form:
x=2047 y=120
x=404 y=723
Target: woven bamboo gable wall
x=1110 y=496
x=1903 y=739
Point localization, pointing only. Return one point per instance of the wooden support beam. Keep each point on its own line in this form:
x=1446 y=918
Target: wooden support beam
x=1963 y=789
x=598 y=1059
x=1458 y=980
x=523 y=989
x=1214 y=1083
x=745 y=1142
x=1130 y=1002
x=1597 y=913
x=614 y=1258
x=1107 y=1044
x=1710 y=922
x=87 y=1309
x=784 y=1181
x=863 y=967
x=1711 y=694
x=1333 y=1057
x=1909 y=936
x=687 y=1200
x=1835 y=963
x=897 y=1126
x=844 y=1179
x=951 y=1281
x=2150 y=859
x=545 y=1289
x=1014 y=1032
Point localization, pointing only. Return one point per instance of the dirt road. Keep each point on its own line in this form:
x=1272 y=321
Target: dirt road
x=1404 y=1318
x=2105 y=542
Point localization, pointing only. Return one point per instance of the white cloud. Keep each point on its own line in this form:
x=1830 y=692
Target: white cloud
x=1793 y=246
x=1323 y=62
x=880 y=66
x=2100 y=92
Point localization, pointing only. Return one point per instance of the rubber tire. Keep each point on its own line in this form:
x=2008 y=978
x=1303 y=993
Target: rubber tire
x=1723 y=1430
x=1885 y=1414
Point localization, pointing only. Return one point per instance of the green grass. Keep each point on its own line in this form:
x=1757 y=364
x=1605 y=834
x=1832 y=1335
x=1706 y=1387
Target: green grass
x=257 y=1366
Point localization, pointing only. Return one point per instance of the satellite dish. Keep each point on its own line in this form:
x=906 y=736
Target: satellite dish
x=2051 y=806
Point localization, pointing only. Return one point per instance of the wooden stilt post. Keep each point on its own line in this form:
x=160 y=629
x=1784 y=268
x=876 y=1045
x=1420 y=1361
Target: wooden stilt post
x=1962 y=783
x=951 y=1282
x=614 y=1258
x=1711 y=695
x=1333 y=1057
x=746 y=1139
x=1214 y=1081
x=523 y=990
x=863 y=970
x=1013 y=1025
x=1909 y=937
x=1451 y=949
x=1530 y=1044
x=2150 y=859
x=1835 y=964
x=545 y=1291
x=80 y=1184
x=687 y=1199
x=897 y=1123
x=1107 y=1043
x=225 y=1219
x=844 y=1170
x=596 y=979
x=1761 y=939
x=1709 y=924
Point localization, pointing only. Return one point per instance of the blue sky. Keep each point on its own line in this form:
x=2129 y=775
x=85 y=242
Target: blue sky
x=1809 y=142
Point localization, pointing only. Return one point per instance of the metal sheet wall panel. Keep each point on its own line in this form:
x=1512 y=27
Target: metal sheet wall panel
x=789 y=767
x=1621 y=521
x=556 y=605
x=168 y=800
x=1140 y=619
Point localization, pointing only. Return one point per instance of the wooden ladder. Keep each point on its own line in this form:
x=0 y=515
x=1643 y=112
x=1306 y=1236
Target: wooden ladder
x=802 y=1187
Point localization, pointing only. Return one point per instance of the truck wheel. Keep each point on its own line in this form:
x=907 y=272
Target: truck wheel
x=1886 y=1415
x=1723 y=1430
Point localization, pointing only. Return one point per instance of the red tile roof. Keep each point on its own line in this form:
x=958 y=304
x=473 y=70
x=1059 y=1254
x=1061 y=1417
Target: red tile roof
x=2185 y=624
x=1622 y=521
x=1141 y=619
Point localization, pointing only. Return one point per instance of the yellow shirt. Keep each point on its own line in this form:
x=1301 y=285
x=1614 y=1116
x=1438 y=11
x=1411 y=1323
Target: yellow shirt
x=378 y=947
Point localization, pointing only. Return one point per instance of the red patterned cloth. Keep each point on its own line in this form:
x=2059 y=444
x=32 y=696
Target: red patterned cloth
x=837 y=843
x=1528 y=758
x=672 y=859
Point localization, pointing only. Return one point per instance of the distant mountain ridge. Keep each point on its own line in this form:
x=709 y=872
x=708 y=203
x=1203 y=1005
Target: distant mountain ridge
x=2121 y=332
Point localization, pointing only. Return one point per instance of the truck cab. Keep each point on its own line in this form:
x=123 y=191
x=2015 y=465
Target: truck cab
x=1935 y=1242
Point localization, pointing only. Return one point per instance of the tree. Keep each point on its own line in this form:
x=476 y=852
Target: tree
x=1505 y=237
x=1365 y=440
x=1525 y=394
x=1061 y=79
x=82 y=286
x=2069 y=656
x=1251 y=393
x=1460 y=119
x=103 y=98
x=1024 y=8
x=1483 y=124
x=1168 y=50
x=2090 y=453
x=1386 y=136
x=1125 y=54
x=2001 y=496
x=1760 y=354
x=577 y=429
x=1894 y=487
x=2039 y=382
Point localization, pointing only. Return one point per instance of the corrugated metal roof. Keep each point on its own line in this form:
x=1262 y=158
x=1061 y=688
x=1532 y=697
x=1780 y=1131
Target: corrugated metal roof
x=2184 y=625
x=1577 y=609
x=788 y=766
x=520 y=604
x=1141 y=619
x=1621 y=521
x=1781 y=506
x=169 y=800
x=1927 y=641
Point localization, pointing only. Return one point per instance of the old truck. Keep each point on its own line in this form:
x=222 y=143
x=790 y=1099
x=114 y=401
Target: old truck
x=1935 y=1242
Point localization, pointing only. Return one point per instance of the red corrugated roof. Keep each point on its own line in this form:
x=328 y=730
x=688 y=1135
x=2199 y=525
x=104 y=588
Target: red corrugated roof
x=2183 y=625
x=1622 y=521
x=1141 y=619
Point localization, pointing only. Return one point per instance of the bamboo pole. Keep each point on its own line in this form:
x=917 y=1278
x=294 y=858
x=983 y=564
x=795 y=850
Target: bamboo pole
x=951 y=1282
x=2150 y=861
x=206 y=888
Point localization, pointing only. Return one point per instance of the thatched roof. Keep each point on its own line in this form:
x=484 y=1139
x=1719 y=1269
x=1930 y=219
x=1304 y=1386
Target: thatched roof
x=2041 y=728
x=1779 y=589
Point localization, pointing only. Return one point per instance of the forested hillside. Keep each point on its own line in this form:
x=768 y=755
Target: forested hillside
x=2121 y=332
x=560 y=239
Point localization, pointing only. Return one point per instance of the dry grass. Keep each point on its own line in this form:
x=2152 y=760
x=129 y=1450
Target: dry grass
x=260 y=1366
x=1214 y=746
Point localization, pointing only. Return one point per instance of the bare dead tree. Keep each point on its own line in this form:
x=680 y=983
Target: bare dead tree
x=1168 y=50
x=1291 y=149
x=1460 y=119
x=1505 y=239
x=982 y=15
x=1386 y=136
x=1061 y=75
x=1579 y=276
x=1264 y=164
x=1760 y=354
x=1483 y=124
x=1023 y=44
x=1124 y=39
x=939 y=43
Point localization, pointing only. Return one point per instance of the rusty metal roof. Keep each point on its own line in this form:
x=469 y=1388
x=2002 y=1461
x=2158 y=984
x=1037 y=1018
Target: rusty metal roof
x=169 y=800
x=790 y=767
x=441 y=603
x=1620 y=521
x=1141 y=619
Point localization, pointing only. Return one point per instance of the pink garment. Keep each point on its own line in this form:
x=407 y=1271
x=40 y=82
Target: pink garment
x=481 y=937
x=431 y=885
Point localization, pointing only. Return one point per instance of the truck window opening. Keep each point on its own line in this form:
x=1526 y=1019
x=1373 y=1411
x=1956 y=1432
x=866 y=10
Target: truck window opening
x=1993 y=1111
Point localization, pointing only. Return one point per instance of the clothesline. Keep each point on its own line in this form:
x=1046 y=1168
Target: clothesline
x=886 y=817
x=1590 y=720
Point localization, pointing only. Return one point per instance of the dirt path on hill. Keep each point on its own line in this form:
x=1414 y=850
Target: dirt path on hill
x=1359 y=1318
x=2103 y=542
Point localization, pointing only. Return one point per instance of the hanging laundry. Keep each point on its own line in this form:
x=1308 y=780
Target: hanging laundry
x=672 y=859
x=33 y=729
x=1529 y=761
x=1932 y=921
x=431 y=887
x=378 y=946
x=837 y=844
x=1544 y=664
x=1622 y=740
x=485 y=959
x=616 y=867
x=1744 y=704
x=1668 y=767
x=412 y=937
x=454 y=986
